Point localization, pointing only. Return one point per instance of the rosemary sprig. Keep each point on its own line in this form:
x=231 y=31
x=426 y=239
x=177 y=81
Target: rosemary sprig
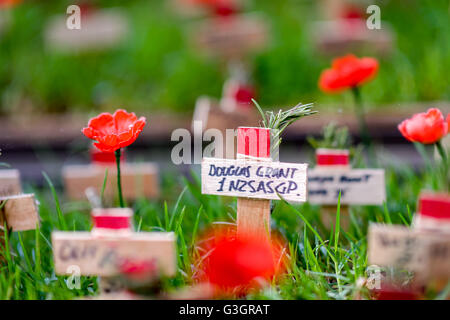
x=279 y=121
x=334 y=137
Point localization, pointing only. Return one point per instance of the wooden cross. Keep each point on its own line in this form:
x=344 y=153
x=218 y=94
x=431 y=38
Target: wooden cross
x=433 y=212
x=232 y=38
x=340 y=33
x=138 y=179
x=18 y=212
x=427 y=254
x=111 y=242
x=100 y=29
x=225 y=114
x=255 y=179
x=9 y=182
x=333 y=174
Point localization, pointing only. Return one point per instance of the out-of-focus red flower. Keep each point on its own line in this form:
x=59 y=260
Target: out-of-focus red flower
x=425 y=128
x=138 y=270
x=114 y=131
x=244 y=95
x=9 y=3
x=352 y=12
x=238 y=263
x=348 y=72
x=218 y=7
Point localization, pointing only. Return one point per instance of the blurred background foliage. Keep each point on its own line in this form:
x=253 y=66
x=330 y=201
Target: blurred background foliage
x=156 y=67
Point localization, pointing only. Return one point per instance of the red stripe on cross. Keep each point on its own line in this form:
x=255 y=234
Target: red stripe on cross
x=330 y=157
x=253 y=142
x=110 y=222
x=435 y=205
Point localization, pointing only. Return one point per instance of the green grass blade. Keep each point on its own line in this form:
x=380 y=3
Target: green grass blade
x=61 y=220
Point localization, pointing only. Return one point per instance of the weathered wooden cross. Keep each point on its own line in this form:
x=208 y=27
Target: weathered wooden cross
x=423 y=249
x=212 y=114
x=333 y=175
x=233 y=38
x=18 y=212
x=138 y=179
x=111 y=242
x=433 y=212
x=255 y=179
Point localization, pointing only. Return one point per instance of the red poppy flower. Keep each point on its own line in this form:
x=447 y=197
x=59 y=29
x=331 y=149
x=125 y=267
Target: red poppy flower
x=114 y=131
x=234 y=262
x=425 y=128
x=348 y=72
x=238 y=264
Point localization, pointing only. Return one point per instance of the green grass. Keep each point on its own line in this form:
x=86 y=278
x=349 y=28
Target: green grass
x=324 y=264
x=157 y=67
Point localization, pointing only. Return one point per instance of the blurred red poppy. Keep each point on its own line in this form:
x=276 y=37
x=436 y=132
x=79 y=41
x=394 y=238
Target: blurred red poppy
x=395 y=292
x=114 y=131
x=138 y=270
x=240 y=264
x=244 y=94
x=426 y=128
x=218 y=7
x=348 y=72
x=9 y=3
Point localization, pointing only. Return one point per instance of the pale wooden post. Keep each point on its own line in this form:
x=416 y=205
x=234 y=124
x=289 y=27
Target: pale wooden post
x=10 y=182
x=253 y=215
x=433 y=212
x=17 y=211
x=138 y=179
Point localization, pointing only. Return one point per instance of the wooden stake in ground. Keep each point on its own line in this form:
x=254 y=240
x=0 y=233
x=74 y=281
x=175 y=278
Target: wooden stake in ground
x=111 y=243
x=17 y=213
x=138 y=179
x=333 y=175
x=255 y=179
